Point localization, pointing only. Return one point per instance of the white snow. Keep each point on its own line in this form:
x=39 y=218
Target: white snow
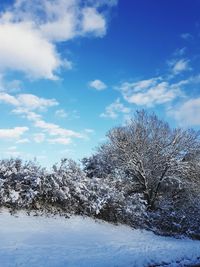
x=30 y=241
x=14 y=195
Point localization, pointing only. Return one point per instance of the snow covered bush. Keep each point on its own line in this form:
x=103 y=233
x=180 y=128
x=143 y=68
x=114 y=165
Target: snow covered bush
x=110 y=193
x=65 y=188
x=177 y=214
x=19 y=182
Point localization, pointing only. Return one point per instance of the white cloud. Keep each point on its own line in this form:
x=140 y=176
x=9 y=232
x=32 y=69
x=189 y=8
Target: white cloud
x=61 y=20
x=113 y=110
x=55 y=130
x=70 y=115
x=51 y=129
x=61 y=113
x=23 y=48
x=27 y=101
x=150 y=92
x=29 y=115
x=29 y=31
x=98 y=85
x=32 y=102
x=139 y=85
x=13 y=133
x=8 y=99
x=25 y=106
x=188 y=113
x=180 y=66
x=93 y=22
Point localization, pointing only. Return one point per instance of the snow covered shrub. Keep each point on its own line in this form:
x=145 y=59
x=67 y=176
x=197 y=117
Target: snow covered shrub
x=98 y=197
x=111 y=196
x=65 y=187
x=19 y=182
x=110 y=203
x=177 y=214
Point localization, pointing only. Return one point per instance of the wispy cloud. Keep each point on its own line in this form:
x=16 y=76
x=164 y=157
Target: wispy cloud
x=180 y=52
x=25 y=106
x=98 y=85
x=150 y=92
x=27 y=101
x=187 y=113
x=13 y=133
x=113 y=110
x=55 y=130
x=51 y=129
x=186 y=36
x=70 y=115
x=179 y=66
x=61 y=113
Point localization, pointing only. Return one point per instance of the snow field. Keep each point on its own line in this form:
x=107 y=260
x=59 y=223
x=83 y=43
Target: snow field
x=38 y=241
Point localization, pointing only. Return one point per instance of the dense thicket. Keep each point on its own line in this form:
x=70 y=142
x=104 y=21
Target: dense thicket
x=146 y=175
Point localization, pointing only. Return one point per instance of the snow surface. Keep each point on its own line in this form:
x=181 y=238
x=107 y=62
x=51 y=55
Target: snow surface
x=82 y=242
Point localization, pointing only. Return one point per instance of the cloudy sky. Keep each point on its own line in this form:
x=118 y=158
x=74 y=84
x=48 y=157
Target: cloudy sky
x=72 y=69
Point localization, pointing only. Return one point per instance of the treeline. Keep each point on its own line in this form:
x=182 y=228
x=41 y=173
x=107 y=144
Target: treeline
x=146 y=175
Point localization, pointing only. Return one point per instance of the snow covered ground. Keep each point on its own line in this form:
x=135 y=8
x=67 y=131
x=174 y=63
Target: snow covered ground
x=58 y=242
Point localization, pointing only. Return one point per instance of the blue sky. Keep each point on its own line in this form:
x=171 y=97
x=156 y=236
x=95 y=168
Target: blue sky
x=70 y=70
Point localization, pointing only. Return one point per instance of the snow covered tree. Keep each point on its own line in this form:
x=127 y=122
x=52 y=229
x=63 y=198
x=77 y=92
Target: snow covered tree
x=148 y=155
